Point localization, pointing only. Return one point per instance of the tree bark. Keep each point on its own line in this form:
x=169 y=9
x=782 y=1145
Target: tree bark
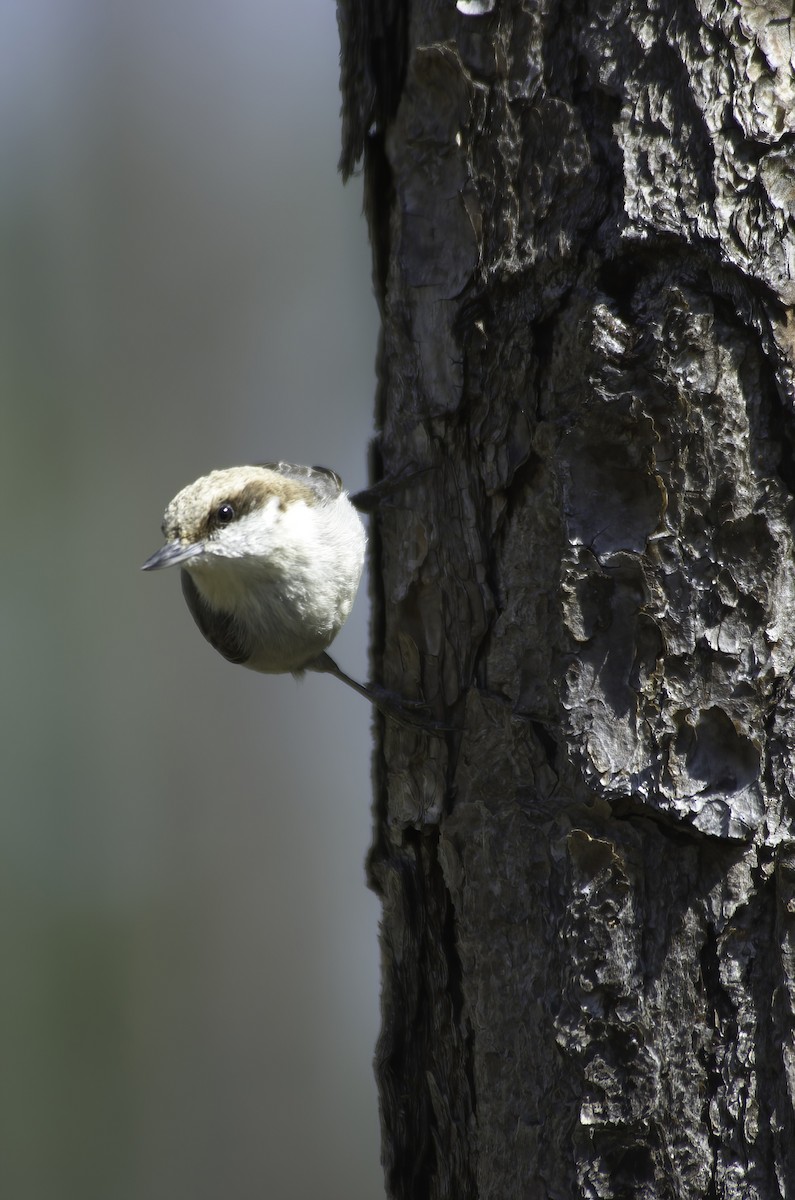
x=584 y=249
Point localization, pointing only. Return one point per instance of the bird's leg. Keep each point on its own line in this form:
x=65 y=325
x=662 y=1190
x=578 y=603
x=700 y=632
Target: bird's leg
x=386 y=702
x=382 y=492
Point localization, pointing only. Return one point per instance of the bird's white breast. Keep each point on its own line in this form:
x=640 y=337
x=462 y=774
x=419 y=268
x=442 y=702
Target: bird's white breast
x=289 y=575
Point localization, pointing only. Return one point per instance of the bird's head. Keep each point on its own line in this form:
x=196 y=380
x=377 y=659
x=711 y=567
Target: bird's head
x=231 y=514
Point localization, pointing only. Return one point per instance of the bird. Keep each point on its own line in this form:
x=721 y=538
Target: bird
x=270 y=558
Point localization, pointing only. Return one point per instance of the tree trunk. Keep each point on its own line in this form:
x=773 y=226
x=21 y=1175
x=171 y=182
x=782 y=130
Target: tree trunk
x=582 y=220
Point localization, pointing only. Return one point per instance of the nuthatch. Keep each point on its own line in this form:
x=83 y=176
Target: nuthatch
x=271 y=559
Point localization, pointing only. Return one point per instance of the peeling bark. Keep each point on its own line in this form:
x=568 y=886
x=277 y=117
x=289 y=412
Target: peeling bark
x=583 y=219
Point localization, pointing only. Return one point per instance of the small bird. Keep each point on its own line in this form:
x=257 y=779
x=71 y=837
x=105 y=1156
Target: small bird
x=271 y=559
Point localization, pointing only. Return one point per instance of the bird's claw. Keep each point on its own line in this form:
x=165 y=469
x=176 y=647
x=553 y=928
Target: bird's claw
x=411 y=714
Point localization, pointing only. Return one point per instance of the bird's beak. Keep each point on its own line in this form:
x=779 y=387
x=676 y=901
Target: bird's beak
x=172 y=554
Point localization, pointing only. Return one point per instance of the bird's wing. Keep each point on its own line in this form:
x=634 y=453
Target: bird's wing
x=325 y=483
x=221 y=629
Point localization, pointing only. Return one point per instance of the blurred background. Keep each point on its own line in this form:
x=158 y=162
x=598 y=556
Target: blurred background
x=188 y=956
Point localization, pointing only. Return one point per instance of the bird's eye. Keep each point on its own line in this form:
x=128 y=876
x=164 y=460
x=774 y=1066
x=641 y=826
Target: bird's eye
x=224 y=513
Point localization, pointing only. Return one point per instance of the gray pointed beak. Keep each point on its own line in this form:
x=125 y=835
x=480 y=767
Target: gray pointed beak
x=171 y=555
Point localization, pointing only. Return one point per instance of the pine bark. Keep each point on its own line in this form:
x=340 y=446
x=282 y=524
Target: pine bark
x=584 y=249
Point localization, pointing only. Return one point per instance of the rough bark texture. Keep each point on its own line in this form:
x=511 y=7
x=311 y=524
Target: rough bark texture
x=582 y=217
